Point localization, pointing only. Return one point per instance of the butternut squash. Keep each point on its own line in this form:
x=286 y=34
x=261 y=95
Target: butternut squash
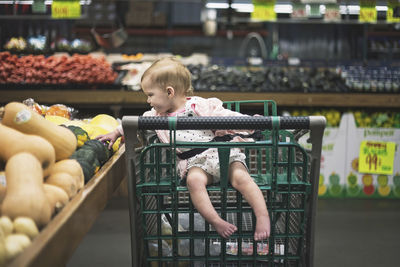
x=13 y=142
x=65 y=181
x=57 y=197
x=72 y=167
x=25 y=194
x=20 y=117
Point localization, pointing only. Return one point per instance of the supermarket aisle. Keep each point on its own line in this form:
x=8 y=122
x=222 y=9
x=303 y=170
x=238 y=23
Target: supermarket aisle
x=349 y=233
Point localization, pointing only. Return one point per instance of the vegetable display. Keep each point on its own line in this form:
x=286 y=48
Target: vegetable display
x=76 y=69
x=45 y=160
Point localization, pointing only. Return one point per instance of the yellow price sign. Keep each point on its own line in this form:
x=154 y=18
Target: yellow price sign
x=376 y=157
x=65 y=9
x=264 y=10
x=393 y=13
x=368 y=11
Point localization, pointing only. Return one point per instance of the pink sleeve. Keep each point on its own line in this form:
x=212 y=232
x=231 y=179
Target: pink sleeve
x=214 y=107
x=120 y=130
x=211 y=107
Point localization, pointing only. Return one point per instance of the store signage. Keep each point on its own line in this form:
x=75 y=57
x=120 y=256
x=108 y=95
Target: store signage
x=393 y=13
x=368 y=11
x=264 y=10
x=298 y=11
x=332 y=12
x=38 y=6
x=65 y=9
x=376 y=157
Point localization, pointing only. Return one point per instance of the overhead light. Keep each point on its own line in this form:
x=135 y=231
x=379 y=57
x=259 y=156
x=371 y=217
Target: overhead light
x=381 y=8
x=353 y=10
x=283 y=9
x=244 y=8
x=217 y=5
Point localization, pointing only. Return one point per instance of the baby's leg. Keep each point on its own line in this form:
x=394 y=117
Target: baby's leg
x=241 y=180
x=196 y=181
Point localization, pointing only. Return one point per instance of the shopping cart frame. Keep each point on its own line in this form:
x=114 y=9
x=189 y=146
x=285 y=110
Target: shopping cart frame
x=133 y=124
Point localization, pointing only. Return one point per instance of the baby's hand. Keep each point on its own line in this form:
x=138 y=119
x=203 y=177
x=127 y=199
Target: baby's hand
x=109 y=138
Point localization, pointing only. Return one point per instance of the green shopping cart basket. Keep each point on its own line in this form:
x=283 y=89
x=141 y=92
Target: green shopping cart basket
x=166 y=229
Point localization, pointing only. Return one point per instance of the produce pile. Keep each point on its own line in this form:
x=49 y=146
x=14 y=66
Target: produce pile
x=363 y=118
x=377 y=119
x=76 y=69
x=45 y=160
x=266 y=79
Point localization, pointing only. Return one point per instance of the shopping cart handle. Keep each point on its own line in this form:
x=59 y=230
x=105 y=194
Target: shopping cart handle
x=224 y=122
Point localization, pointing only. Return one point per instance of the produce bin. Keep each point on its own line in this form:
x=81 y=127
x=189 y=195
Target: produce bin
x=166 y=230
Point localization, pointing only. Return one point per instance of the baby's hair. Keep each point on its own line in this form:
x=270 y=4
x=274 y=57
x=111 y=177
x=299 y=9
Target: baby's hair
x=169 y=71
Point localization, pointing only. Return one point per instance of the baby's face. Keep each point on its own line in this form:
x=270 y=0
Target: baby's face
x=157 y=97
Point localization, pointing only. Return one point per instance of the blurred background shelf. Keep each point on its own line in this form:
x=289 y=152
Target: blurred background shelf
x=81 y=98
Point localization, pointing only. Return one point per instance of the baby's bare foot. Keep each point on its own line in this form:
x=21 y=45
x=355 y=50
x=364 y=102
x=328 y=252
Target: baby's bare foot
x=224 y=228
x=263 y=228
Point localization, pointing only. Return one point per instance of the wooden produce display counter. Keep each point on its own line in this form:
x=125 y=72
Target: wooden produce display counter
x=123 y=98
x=58 y=240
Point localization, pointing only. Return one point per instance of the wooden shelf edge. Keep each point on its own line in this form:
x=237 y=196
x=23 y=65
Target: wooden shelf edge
x=129 y=98
x=58 y=240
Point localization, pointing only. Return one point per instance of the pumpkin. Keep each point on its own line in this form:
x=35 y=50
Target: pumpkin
x=72 y=167
x=87 y=168
x=20 y=117
x=100 y=149
x=75 y=122
x=13 y=142
x=58 y=120
x=80 y=134
x=105 y=121
x=65 y=181
x=56 y=196
x=25 y=194
x=94 y=130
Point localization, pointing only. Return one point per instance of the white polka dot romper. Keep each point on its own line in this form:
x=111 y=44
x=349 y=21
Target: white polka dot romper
x=207 y=160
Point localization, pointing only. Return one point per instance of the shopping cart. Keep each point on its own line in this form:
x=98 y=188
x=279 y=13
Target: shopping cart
x=166 y=230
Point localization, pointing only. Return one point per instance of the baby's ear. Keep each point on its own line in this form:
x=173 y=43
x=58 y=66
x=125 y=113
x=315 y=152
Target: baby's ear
x=170 y=91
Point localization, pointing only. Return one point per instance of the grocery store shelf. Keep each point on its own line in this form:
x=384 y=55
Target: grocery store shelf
x=128 y=98
x=194 y=31
x=58 y=240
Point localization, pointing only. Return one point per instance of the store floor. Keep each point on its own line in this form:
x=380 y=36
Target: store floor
x=349 y=233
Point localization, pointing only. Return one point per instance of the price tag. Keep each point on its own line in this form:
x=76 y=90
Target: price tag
x=264 y=10
x=65 y=9
x=376 y=157
x=393 y=13
x=368 y=11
